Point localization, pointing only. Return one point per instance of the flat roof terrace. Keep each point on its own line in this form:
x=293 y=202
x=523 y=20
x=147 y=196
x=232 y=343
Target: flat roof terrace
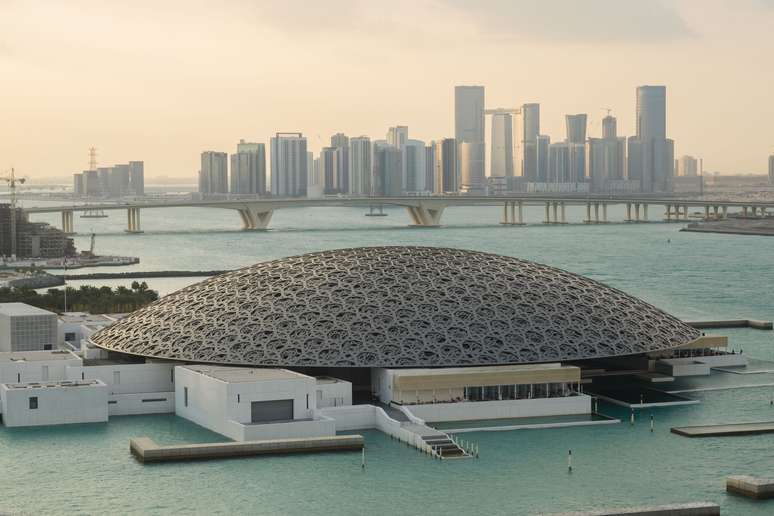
x=19 y=309
x=244 y=374
x=36 y=356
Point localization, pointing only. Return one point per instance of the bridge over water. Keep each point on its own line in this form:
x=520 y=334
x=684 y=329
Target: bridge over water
x=426 y=211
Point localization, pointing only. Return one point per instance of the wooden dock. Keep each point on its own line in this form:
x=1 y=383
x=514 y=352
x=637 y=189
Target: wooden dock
x=763 y=427
x=674 y=509
x=732 y=323
x=145 y=449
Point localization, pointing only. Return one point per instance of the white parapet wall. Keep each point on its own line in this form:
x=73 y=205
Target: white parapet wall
x=365 y=417
x=54 y=403
x=504 y=409
x=317 y=427
x=698 y=366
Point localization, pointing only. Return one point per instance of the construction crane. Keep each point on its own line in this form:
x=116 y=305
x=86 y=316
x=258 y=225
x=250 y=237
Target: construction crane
x=11 y=179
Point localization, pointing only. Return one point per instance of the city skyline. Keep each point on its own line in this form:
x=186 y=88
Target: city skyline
x=158 y=97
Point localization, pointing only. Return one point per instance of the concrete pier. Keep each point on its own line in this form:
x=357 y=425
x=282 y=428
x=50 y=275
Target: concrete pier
x=751 y=487
x=676 y=509
x=733 y=429
x=145 y=449
x=732 y=323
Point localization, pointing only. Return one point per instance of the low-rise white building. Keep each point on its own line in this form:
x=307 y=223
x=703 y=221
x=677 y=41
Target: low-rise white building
x=53 y=403
x=36 y=366
x=26 y=328
x=489 y=392
x=332 y=392
x=133 y=388
x=75 y=327
x=248 y=404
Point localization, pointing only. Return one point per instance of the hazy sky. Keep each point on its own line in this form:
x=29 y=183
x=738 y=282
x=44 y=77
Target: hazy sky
x=162 y=81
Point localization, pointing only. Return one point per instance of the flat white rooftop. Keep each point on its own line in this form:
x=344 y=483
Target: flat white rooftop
x=52 y=385
x=244 y=374
x=36 y=356
x=17 y=309
x=87 y=318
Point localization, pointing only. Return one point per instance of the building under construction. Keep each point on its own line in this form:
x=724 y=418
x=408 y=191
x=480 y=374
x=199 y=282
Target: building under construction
x=33 y=239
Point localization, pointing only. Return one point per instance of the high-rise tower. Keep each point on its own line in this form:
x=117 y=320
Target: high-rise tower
x=469 y=127
x=288 y=165
x=651 y=112
x=650 y=154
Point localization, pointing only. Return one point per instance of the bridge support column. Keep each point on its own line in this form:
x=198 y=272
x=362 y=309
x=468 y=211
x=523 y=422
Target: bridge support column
x=725 y=211
x=628 y=212
x=685 y=212
x=427 y=216
x=668 y=212
x=564 y=218
x=744 y=211
x=645 y=213
x=706 y=212
x=133 y=220
x=715 y=211
x=556 y=212
x=509 y=213
x=604 y=212
x=67 y=222
x=255 y=219
x=588 y=213
x=637 y=212
x=596 y=213
x=547 y=220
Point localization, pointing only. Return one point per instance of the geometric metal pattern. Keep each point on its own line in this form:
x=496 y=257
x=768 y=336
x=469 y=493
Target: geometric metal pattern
x=395 y=307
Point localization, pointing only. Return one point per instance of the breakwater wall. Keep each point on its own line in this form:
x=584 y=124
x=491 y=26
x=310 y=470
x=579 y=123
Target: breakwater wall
x=142 y=275
x=145 y=449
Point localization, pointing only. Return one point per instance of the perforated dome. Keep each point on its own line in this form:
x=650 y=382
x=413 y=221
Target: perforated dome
x=394 y=307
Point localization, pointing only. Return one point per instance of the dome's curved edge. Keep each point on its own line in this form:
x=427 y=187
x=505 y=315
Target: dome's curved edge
x=197 y=287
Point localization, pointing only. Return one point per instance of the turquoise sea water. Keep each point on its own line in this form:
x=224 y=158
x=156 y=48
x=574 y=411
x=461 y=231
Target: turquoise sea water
x=87 y=468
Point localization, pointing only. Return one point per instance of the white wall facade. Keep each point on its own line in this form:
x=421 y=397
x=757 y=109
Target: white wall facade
x=37 y=370
x=332 y=393
x=381 y=384
x=475 y=410
x=56 y=405
x=144 y=388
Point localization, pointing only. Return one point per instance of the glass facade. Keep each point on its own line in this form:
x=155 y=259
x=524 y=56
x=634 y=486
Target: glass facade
x=517 y=392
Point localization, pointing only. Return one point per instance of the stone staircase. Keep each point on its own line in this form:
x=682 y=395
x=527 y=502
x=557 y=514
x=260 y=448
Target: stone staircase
x=447 y=448
x=444 y=445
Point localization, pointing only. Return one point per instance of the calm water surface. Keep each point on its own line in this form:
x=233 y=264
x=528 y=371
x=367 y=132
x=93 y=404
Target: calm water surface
x=87 y=468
